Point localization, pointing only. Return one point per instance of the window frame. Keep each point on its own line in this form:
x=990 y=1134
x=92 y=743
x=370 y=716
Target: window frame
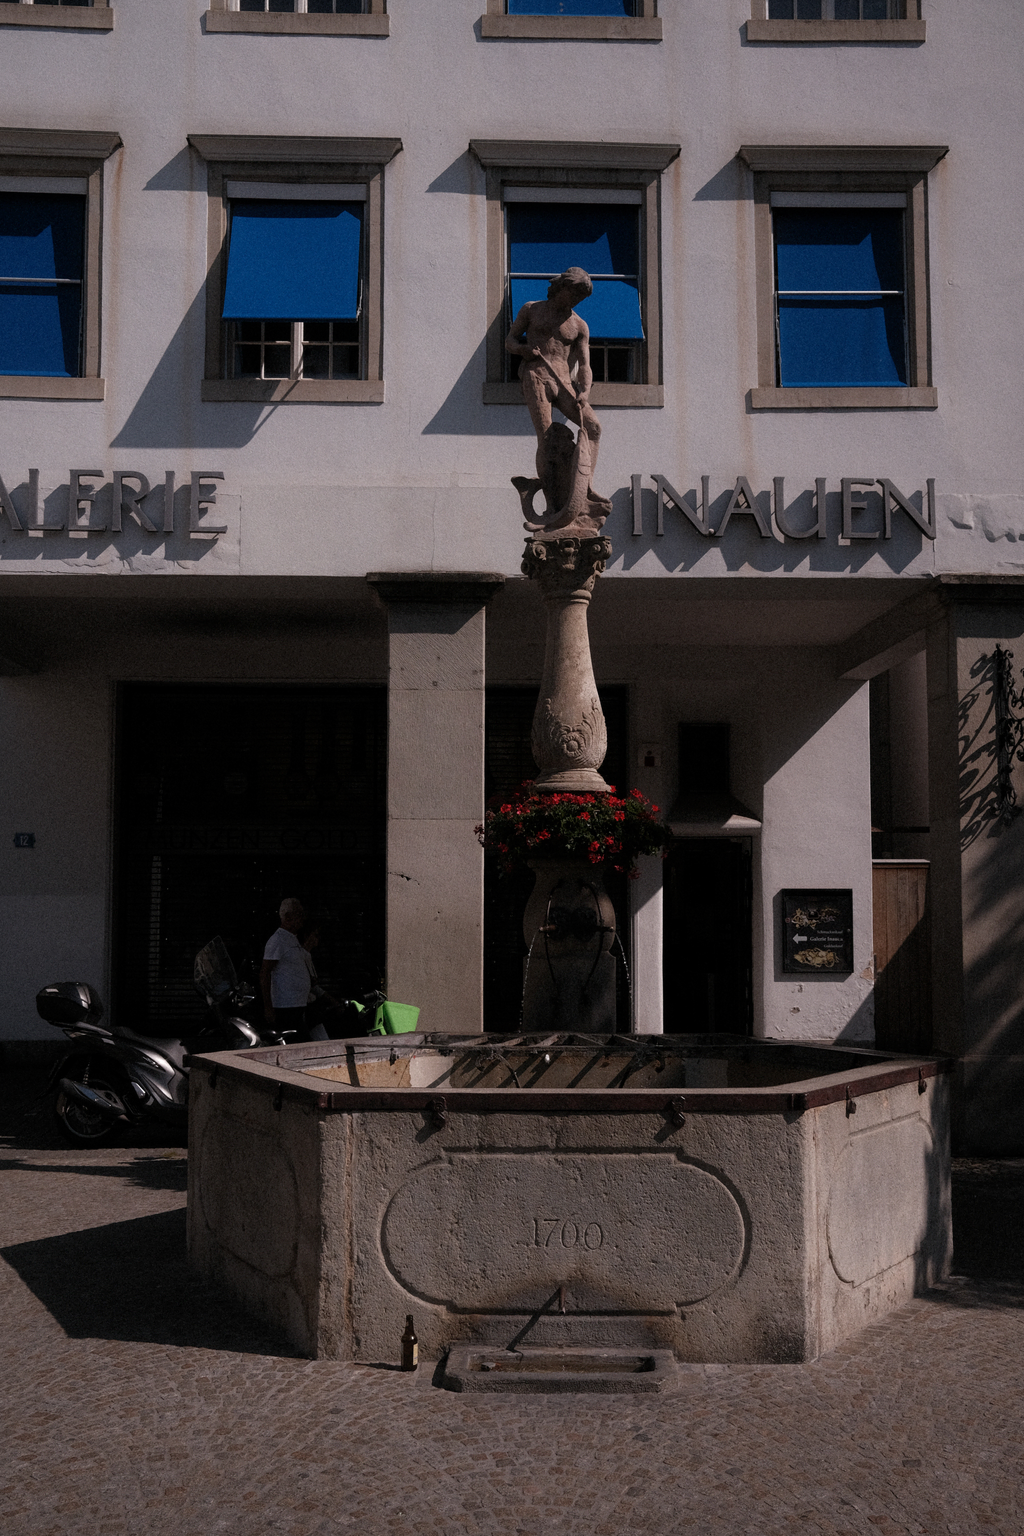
x=761 y=30
x=844 y=169
x=299 y=162
x=601 y=167
x=224 y=17
x=98 y=16
x=40 y=154
x=644 y=28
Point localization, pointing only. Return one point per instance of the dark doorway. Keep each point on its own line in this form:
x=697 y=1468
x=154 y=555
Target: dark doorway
x=508 y=761
x=228 y=800
x=708 y=916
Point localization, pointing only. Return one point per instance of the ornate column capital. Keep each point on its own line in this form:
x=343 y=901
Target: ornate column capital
x=566 y=567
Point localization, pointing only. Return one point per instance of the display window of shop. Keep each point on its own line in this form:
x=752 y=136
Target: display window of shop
x=596 y=206
x=835 y=21
x=360 y=18
x=51 y=210
x=600 y=20
x=294 y=303
x=87 y=15
x=841 y=247
x=229 y=799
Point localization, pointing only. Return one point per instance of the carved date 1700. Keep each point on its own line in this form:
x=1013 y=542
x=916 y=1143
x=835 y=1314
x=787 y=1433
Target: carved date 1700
x=558 y=1231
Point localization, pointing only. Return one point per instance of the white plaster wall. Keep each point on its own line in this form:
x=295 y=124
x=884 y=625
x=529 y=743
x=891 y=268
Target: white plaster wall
x=56 y=749
x=817 y=818
x=423 y=479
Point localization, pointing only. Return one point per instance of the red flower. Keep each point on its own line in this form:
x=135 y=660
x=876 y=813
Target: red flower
x=543 y=836
x=505 y=810
x=619 y=816
x=584 y=815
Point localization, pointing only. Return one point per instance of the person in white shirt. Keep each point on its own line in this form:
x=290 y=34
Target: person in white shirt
x=284 y=975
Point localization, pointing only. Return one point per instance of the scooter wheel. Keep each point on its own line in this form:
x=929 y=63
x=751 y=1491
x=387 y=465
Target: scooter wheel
x=83 y=1126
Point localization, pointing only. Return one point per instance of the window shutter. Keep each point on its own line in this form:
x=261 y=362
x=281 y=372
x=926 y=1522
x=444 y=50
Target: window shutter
x=841 y=300
x=602 y=238
x=41 y=263
x=293 y=261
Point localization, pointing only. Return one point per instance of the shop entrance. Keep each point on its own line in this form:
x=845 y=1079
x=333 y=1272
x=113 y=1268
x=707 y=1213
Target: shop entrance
x=708 y=922
x=228 y=800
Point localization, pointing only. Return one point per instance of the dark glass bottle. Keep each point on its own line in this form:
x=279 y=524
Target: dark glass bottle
x=410 y=1346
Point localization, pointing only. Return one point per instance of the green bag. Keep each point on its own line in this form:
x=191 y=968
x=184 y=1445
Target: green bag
x=395 y=1019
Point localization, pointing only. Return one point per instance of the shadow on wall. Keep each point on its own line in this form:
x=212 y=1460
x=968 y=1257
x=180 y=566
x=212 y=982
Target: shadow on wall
x=463 y=413
x=169 y=412
x=993 y=897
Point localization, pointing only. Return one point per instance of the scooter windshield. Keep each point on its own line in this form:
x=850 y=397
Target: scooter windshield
x=214 y=973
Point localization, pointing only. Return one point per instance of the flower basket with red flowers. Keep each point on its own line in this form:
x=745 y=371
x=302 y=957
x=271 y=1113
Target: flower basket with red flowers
x=604 y=829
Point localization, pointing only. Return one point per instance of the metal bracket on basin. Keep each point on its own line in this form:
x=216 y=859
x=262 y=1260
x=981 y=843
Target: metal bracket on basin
x=922 y=1085
x=677 y=1111
x=437 y=1109
x=851 y=1102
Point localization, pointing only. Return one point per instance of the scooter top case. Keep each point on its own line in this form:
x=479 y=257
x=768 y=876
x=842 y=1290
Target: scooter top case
x=69 y=1002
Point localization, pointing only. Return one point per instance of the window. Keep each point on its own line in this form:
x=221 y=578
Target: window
x=603 y=237
x=840 y=290
x=293 y=286
x=842 y=276
x=90 y=15
x=356 y=18
x=835 y=21
x=295 y=268
x=598 y=20
x=50 y=224
x=42 y=263
x=550 y=206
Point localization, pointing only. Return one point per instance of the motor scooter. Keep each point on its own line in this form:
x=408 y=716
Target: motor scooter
x=114 y=1077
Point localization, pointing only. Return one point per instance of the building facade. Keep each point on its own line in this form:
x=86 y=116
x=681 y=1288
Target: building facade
x=257 y=264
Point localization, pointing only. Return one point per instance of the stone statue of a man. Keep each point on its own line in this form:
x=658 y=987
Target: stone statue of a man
x=553 y=341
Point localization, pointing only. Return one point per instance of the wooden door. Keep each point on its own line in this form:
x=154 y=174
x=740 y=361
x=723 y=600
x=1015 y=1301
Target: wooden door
x=902 y=934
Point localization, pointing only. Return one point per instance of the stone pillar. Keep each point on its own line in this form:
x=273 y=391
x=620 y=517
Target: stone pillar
x=569 y=738
x=436 y=792
x=977 y=868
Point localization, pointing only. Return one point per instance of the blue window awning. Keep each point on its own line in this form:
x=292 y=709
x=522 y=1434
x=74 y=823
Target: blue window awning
x=602 y=238
x=293 y=261
x=42 y=243
x=612 y=312
x=840 y=293
x=571 y=8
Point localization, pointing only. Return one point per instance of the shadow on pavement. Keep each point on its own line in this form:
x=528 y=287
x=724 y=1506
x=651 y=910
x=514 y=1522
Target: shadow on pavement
x=167 y=1171
x=130 y=1281
x=27 y=1123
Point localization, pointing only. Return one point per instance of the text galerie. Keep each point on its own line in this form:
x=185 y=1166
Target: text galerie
x=775 y=521
x=129 y=489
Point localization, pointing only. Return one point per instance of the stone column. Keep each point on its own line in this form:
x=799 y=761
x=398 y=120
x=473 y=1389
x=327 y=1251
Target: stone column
x=569 y=738
x=436 y=792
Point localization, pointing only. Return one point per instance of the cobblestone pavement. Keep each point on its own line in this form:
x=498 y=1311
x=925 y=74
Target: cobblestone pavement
x=135 y=1401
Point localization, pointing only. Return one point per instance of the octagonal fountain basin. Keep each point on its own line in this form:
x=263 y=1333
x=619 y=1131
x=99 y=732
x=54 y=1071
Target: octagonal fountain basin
x=717 y=1197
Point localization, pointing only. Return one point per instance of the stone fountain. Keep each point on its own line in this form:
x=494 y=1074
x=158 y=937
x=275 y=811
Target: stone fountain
x=568 y=1208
